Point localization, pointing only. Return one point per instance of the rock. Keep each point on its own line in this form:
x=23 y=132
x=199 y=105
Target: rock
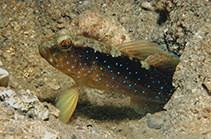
x=25 y=102
x=101 y=28
x=4 y=77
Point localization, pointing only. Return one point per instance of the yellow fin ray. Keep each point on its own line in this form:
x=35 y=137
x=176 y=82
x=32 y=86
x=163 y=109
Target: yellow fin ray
x=66 y=103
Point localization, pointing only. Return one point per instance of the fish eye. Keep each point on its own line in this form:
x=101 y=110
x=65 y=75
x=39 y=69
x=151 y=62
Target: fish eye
x=66 y=43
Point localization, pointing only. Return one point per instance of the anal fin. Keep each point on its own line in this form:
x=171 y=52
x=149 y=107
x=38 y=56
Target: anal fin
x=66 y=103
x=143 y=106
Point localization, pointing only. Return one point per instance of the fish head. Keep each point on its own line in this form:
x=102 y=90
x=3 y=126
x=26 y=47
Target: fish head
x=56 y=47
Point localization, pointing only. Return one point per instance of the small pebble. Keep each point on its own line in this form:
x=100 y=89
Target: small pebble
x=147 y=5
x=207 y=84
x=53 y=110
x=155 y=124
x=54 y=85
x=10 y=112
x=50 y=135
x=4 y=77
x=74 y=136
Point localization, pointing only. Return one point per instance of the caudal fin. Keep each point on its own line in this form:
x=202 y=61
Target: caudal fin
x=163 y=60
x=66 y=103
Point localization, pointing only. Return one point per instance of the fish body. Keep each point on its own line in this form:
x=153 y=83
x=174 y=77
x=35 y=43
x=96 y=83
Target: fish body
x=149 y=88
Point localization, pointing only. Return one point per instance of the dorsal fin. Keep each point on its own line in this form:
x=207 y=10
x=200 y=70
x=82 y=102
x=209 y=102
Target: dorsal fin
x=150 y=54
x=139 y=49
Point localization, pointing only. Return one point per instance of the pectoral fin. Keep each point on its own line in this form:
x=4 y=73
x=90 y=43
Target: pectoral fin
x=66 y=103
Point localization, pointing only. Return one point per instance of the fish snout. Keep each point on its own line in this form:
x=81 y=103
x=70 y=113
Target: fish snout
x=45 y=52
x=42 y=50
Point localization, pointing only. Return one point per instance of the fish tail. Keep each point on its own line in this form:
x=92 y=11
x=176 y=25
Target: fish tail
x=142 y=106
x=66 y=103
x=163 y=60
